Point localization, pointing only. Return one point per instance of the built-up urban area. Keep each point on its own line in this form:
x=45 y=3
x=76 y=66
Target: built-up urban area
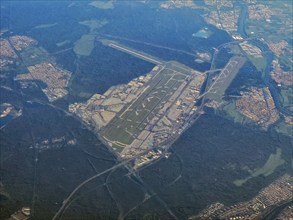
x=56 y=79
x=46 y=71
x=278 y=192
x=258 y=105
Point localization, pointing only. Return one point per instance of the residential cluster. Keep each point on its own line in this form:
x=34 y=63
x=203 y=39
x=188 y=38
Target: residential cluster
x=55 y=78
x=273 y=17
x=261 y=12
x=217 y=13
x=277 y=192
x=222 y=14
x=6 y=49
x=278 y=47
x=251 y=50
x=226 y=20
x=258 y=105
x=5 y=62
x=7 y=53
x=289 y=120
x=280 y=76
x=177 y=4
x=21 y=42
x=219 y=3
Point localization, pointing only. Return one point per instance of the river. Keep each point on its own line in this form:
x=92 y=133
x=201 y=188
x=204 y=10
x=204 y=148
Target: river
x=268 y=55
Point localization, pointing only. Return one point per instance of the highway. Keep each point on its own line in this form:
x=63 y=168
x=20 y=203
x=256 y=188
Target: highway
x=67 y=200
x=120 y=164
x=150 y=191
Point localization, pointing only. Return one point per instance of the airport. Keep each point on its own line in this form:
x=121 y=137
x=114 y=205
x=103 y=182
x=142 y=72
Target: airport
x=146 y=115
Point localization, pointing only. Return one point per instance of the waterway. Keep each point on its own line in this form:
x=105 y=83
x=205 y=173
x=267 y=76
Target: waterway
x=242 y=19
x=268 y=55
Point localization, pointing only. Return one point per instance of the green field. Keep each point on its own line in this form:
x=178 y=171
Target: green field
x=85 y=45
x=260 y=63
x=129 y=123
x=274 y=161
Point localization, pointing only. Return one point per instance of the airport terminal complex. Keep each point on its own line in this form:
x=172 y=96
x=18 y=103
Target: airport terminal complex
x=142 y=118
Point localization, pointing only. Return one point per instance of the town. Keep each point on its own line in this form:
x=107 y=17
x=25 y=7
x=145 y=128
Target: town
x=280 y=76
x=258 y=105
x=177 y=4
x=251 y=50
x=6 y=49
x=40 y=66
x=7 y=54
x=55 y=78
x=21 y=42
x=225 y=20
x=278 y=192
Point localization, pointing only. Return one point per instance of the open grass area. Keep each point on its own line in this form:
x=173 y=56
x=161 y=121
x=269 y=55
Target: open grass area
x=232 y=112
x=272 y=163
x=34 y=55
x=275 y=160
x=284 y=128
x=287 y=97
x=259 y=63
x=235 y=49
x=85 y=45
